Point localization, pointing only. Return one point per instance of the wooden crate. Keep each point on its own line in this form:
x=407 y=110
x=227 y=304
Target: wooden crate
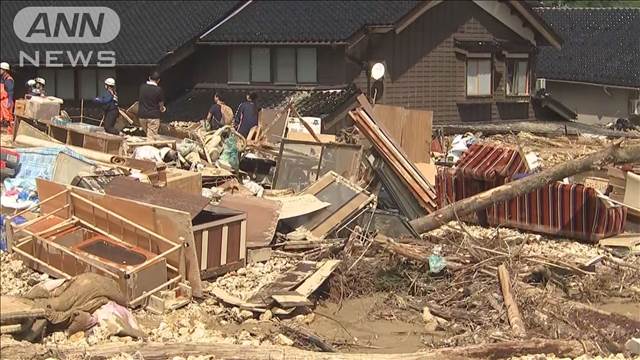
x=220 y=235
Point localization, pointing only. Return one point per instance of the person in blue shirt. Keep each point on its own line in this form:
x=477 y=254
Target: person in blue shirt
x=247 y=115
x=109 y=101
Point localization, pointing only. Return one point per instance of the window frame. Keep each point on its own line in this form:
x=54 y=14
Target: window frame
x=273 y=59
x=479 y=57
x=517 y=58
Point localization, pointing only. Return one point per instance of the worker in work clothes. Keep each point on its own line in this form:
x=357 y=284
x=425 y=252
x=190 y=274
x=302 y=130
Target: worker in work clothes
x=220 y=114
x=6 y=96
x=151 y=105
x=40 y=86
x=109 y=101
x=247 y=115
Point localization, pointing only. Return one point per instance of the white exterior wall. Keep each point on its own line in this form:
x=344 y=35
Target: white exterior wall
x=594 y=104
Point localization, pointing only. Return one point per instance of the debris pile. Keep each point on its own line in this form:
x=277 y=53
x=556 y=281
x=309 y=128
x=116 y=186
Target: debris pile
x=374 y=241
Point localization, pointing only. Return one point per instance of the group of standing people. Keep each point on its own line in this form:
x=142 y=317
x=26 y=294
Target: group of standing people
x=150 y=105
x=246 y=117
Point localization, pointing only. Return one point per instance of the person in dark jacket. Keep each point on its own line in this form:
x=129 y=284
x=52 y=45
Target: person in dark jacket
x=109 y=101
x=151 y=105
x=247 y=115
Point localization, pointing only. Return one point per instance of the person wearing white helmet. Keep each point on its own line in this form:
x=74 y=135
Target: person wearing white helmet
x=109 y=102
x=39 y=89
x=6 y=96
x=31 y=89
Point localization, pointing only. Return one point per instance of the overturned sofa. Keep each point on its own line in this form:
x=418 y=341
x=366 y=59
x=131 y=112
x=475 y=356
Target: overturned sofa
x=570 y=210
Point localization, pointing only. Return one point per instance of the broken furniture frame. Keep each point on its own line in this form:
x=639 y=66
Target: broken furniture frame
x=72 y=134
x=40 y=249
x=72 y=219
x=347 y=201
x=311 y=168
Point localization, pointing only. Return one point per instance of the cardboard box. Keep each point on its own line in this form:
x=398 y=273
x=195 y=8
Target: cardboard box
x=39 y=108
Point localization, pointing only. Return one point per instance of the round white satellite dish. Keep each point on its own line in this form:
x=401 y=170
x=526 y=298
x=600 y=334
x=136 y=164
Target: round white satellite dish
x=377 y=71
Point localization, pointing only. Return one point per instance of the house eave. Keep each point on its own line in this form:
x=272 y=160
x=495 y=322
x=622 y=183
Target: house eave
x=593 y=84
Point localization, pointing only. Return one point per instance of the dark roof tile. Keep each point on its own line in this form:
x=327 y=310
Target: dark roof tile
x=601 y=45
x=149 y=29
x=307 y=21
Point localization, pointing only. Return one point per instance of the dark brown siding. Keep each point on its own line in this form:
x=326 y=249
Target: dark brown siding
x=330 y=65
x=426 y=73
x=210 y=65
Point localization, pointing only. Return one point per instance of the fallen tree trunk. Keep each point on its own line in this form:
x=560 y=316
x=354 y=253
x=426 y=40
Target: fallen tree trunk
x=612 y=154
x=151 y=351
x=513 y=313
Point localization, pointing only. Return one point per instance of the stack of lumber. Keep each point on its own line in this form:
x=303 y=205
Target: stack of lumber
x=393 y=155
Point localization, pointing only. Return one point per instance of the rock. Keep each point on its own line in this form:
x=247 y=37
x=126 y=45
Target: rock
x=309 y=318
x=266 y=316
x=246 y=314
x=427 y=317
x=77 y=337
x=633 y=345
x=250 y=321
x=183 y=331
x=283 y=340
x=430 y=322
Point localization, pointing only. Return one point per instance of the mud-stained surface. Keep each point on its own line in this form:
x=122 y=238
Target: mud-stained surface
x=619 y=306
x=368 y=322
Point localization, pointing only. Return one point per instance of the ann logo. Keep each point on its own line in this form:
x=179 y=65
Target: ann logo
x=75 y=27
x=89 y=24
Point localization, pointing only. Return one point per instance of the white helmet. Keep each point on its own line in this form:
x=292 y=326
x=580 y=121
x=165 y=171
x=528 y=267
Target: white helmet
x=31 y=82
x=110 y=82
x=4 y=66
x=40 y=80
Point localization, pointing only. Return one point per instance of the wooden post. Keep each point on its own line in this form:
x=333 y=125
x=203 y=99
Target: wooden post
x=513 y=313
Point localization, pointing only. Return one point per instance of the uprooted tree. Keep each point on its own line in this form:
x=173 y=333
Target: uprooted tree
x=611 y=154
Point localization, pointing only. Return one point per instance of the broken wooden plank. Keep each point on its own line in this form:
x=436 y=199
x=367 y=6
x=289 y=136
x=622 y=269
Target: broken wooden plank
x=284 y=282
x=291 y=299
x=314 y=281
x=513 y=313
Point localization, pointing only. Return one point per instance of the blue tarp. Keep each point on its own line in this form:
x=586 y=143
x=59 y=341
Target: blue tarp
x=37 y=163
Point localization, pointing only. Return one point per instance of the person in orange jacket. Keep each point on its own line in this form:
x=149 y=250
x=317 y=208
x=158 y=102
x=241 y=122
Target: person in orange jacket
x=6 y=96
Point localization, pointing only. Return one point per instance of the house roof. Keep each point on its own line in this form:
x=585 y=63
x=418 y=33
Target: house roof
x=306 y=21
x=149 y=30
x=195 y=104
x=601 y=46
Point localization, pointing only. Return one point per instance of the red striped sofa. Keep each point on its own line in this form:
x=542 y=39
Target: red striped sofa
x=568 y=210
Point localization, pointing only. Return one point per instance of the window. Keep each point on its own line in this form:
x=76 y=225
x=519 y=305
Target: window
x=286 y=65
x=282 y=65
x=479 y=77
x=239 y=65
x=60 y=83
x=307 y=65
x=260 y=65
x=517 y=77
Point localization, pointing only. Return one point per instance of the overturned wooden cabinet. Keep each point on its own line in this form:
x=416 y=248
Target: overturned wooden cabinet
x=220 y=236
x=145 y=249
x=219 y=233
